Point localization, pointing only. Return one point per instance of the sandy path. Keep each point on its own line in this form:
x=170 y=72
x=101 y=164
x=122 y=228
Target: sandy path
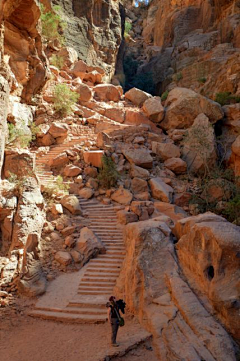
x=23 y=338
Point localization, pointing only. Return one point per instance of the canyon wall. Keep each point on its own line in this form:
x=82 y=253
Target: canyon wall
x=192 y=43
x=94 y=31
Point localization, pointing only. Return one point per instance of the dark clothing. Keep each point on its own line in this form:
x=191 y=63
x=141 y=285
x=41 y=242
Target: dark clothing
x=114 y=315
x=114 y=326
x=113 y=311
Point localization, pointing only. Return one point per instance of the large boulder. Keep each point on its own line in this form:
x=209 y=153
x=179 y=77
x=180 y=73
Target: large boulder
x=89 y=245
x=140 y=157
x=125 y=217
x=137 y=96
x=151 y=284
x=161 y=190
x=107 y=92
x=84 y=91
x=154 y=110
x=71 y=203
x=63 y=257
x=165 y=150
x=184 y=105
x=58 y=130
x=176 y=165
x=199 y=149
x=208 y=250
x=122 y=196
x=93 y=157
x=139 y=172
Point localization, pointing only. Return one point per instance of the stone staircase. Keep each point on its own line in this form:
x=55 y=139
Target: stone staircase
x=79 y=134
x=100 y=274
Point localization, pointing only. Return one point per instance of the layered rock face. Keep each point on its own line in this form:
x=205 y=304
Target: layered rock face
x=194 y=44
x=23 y=46
x=208 y=250
x=151 y=284
x=94 y=31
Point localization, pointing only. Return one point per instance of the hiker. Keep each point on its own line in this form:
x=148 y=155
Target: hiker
x=113 y=318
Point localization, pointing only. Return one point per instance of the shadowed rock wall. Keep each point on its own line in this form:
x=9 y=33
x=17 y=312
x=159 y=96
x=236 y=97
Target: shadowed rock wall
x=94 y=30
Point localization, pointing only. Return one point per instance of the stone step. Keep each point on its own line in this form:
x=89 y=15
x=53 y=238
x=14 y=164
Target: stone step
x=104 y=281
x=103 y=272
x=67 y=317
x=93 y=293
x=111 y=262
x=95 y=288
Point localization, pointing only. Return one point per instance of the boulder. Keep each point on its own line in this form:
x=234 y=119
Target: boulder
x=56 y=209
x=165 y=150
x=139 y=185
x=122 y=196
x=176 y=165
x=140 y=157
x=79 y=69
x=86 y=193
x=91 y=172
x=151 y=284
x=125 y=217
x=208 y=251
x=137 y=96
x=69 y=56
x=59 y=161
x=93 y=157
x=71 y=203
x=161 y=190
x=184 y=105
x=171 y=210
x=89 y=245
x=58 y=130
x=116 y=114
x=93 y=77
x=63 y=258
x=199 y=146
x=84 y=91
x=71 y=170
x=153 y=109
x=107 y=92
x=139 y=172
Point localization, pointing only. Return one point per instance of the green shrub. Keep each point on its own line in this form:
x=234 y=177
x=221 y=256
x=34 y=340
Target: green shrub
x=178 y=76
x=57 y=61
x=108 y=174
x=127 y=29
x=202 y=80
x=164 y=95
x=232 y=211
x=64 y=99
x=52 y=23
x=17 y=136
x=225 y=98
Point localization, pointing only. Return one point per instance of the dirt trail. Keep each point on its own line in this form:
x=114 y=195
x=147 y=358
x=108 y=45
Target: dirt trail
x=23 y=338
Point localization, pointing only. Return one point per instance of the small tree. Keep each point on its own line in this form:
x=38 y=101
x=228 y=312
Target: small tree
x=64 y=99
x=127 y=29
x=108 y=174
x=52 y=23
x=197 y=141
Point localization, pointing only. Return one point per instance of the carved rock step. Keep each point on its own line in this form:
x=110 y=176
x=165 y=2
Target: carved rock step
x=68 y=317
